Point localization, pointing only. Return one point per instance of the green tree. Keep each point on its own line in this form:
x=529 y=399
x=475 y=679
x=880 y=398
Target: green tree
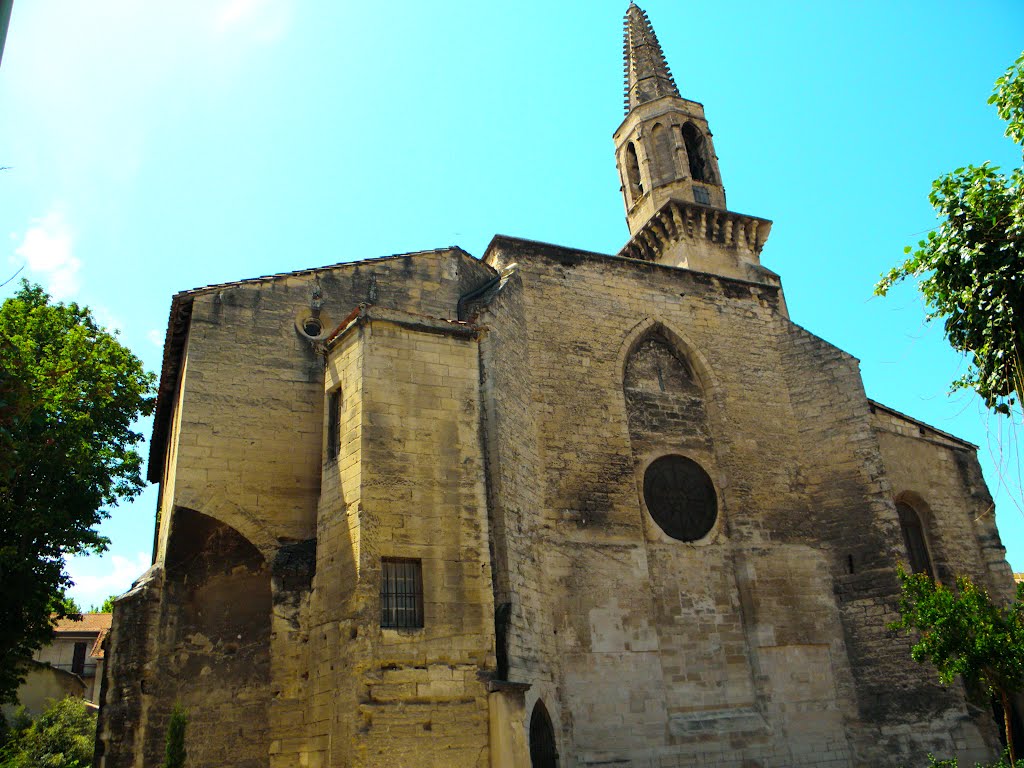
x=971 y=269
x=65 y=605
x=106 y=607
x=174 y=754
x=963 y=633
x=69 y=394
x=62 y=737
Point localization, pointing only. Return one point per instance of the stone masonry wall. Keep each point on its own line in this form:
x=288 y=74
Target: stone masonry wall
x=246 y=451
x=420 y=694
x=514 y=494
x=755 y=645
x=941 y=479
x=901 y=712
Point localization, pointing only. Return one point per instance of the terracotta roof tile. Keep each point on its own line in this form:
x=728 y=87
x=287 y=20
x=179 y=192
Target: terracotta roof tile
x=90 y=622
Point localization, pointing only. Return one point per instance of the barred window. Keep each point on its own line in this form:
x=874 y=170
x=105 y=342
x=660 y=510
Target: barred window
x=401 y=593
x=333 y=424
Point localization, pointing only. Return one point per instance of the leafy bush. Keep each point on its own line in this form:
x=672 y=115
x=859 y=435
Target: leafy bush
x=1002 y=762
x=61 y=737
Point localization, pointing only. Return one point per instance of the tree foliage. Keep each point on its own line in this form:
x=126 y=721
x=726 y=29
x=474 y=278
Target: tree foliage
x=1002 y=762
x=106 y=607
x=62 y=737
x=963 y=633
x=65 y=605
x=69 y=394
x=971 y=269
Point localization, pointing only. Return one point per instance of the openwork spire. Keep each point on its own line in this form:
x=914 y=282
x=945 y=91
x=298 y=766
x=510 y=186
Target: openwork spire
x=647 y=74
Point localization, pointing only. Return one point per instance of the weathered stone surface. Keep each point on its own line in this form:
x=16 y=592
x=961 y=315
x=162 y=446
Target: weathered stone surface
x=489 y=424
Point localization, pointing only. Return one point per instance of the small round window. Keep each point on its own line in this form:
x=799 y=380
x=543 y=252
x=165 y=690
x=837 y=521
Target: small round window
x=680 y=497
x=312 y=327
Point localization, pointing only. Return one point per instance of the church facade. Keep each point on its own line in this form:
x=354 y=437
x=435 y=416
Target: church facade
x=547 y=507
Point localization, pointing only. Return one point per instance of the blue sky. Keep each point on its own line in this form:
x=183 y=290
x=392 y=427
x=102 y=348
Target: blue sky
x=155 y=147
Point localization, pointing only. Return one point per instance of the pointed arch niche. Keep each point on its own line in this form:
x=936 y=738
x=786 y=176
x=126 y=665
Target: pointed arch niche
x=667 y=389
x=217 y=608
x=664 y=154
x=665 y=396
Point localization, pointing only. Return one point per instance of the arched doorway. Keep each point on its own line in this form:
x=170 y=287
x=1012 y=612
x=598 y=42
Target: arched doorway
x=543 y=752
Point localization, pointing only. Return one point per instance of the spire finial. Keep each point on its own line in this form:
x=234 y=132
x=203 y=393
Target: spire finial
x=647 y=74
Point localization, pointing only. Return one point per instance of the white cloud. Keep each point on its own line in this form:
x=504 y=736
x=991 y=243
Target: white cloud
x=47 y=250
x=106 y=319
x=156 y=337
x=96 y=578
x=262 y=20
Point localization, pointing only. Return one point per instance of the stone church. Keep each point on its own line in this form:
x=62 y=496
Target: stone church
x=547 y=507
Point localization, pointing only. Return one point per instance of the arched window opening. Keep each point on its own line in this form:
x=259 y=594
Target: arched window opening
x=543 y=753
x=914 y=539
x=696 y=151
x=636 y=188
x=664 y=162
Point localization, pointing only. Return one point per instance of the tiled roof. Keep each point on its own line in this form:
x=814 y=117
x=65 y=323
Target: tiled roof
x=89 y=622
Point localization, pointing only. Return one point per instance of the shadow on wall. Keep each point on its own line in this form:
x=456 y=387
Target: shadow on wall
x=215 y=637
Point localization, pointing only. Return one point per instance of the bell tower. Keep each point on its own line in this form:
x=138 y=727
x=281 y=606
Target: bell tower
x=671 y=183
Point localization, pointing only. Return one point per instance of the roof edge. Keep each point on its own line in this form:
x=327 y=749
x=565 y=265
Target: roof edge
x=919 y=423
x=458 y=250
x=178 y=325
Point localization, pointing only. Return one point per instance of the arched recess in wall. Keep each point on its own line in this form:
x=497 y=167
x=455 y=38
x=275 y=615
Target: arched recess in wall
x=670 y=435
x=636 y=187
x=216 y=653
x=697 y=153
x=664 y=154
x=223 y=508
x=683 y=346
x=914 y=523
x=543 y=749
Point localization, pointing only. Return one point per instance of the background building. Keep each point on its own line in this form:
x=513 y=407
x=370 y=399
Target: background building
x=71 y=665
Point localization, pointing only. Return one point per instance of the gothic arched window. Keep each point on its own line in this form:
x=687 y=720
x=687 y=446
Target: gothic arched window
x=696 y=151
x=636 y=187
x=914 y=539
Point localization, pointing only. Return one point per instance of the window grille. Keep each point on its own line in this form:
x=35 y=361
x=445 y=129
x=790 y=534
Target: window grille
x=333 y=424
x=401 y=593
x=700 y=195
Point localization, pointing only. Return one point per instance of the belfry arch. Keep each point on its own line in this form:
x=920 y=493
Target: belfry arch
x=633 y=178
x=697 y=154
